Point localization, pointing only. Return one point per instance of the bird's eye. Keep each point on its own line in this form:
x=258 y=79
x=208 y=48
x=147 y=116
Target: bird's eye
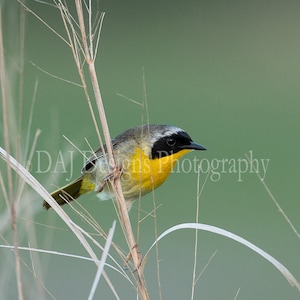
x=170 y=141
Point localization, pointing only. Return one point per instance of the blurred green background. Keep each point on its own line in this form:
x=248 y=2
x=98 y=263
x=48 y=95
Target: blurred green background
x=228 y=73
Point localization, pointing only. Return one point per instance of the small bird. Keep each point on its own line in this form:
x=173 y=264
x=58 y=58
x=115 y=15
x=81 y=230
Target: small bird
x=144 y=157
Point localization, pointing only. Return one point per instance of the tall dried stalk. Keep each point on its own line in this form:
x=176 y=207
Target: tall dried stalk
x=85 y=43
x=11 y=196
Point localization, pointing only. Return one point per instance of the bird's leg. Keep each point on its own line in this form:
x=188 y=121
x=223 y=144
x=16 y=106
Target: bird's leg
x=114 y=174
x=100 y=189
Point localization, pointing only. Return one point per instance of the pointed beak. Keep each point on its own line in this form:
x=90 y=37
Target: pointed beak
x=194 y=146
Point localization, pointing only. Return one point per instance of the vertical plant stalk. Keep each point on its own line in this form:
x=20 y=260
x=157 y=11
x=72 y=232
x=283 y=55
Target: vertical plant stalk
x=199 y=193
x=122 y=208
x=3 y=83
x=196 y=236
x=21 y=80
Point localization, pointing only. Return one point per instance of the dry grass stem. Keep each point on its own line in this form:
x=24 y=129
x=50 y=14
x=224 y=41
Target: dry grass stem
x=199 y=193
x=55 y=76
x=274 y=200
x=78 y=231
x=26 y=8
x=11 y=196
x=84 y=52
x=237 y=293
x=204 y=268
x=102 y=261
x=198 y=226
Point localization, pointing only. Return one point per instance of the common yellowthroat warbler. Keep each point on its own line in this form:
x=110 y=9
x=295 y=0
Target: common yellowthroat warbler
x=144 y=156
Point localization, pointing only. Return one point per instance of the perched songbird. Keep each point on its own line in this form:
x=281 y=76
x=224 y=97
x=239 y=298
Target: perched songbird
x=144 y=158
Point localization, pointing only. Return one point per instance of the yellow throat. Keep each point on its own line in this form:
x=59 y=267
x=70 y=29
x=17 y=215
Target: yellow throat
x=149 y=173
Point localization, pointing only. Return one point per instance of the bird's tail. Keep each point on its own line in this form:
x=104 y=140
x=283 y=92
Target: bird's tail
x=67 y=193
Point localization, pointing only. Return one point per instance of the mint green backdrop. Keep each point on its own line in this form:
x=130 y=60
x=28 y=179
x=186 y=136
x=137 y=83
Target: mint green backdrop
x=228 y=73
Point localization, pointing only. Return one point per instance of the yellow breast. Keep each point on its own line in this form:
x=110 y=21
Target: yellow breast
x=143 y=174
